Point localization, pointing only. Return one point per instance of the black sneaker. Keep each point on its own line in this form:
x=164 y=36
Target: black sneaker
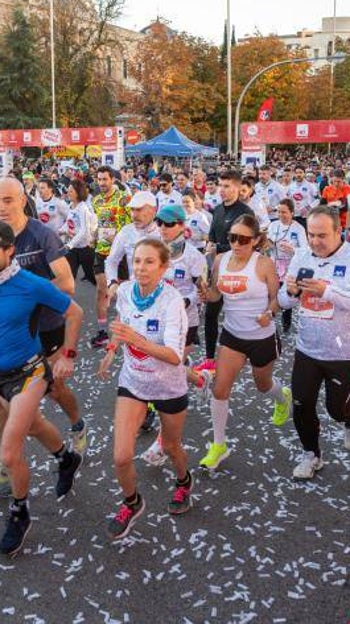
x=66 y=475
x=18 y=525
x=126 y=517
x=100 y=340
x=148 y=423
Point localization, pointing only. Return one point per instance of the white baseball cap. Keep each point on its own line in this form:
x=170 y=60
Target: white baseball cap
x=143 y=198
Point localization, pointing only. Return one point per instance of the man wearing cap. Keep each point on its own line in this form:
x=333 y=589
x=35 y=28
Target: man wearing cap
x=112 y=214
x=143 y=208
x=25 y=377
x=167 y=195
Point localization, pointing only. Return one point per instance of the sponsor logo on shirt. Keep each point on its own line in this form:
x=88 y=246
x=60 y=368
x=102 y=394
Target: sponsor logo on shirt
x=152 y=325
x=339 y=271
x=232 y=285
x=179 y=274
x=44 y=217
x=137 y=353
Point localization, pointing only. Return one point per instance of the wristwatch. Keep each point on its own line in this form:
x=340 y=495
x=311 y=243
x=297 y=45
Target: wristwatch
x=69 y=353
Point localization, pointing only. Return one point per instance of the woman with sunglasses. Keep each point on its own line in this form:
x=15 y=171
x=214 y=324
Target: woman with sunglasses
x=187 y=266
x=151 y=326
x=248 y=283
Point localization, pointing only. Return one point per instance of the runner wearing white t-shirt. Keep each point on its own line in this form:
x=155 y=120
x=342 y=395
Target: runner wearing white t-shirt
x=51 y=210
x=285 y=236
x=151 y=326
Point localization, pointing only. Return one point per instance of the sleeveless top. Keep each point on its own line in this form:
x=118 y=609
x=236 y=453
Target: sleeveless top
x=245 y=298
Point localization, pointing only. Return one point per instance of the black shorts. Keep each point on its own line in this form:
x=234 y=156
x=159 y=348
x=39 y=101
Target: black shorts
x=259 y=352
x=52 y=340
x=17 y=380
x=191 y=335
x=167 y=406
x=99 y=266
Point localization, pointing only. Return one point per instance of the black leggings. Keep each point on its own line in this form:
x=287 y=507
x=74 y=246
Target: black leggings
x=84 y=257
x=307 y=377
x=211 y=327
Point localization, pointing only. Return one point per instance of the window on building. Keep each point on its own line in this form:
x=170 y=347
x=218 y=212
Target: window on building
x=109 y=66
x=125 y=69
x=330 y=48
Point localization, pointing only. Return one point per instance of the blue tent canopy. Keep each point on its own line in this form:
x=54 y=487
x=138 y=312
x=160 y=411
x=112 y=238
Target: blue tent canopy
x=170 y=143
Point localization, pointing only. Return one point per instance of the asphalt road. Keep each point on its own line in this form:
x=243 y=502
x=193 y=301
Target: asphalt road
x=256 y=546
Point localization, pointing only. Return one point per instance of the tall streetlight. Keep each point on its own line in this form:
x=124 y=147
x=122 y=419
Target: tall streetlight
x=53 y=86
x=229 y=79
x=334 y=57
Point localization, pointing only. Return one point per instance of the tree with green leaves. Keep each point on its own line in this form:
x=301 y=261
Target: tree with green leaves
x=24 y=99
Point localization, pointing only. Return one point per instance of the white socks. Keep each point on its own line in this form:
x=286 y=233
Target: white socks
x=275 y=391
x=219 y=414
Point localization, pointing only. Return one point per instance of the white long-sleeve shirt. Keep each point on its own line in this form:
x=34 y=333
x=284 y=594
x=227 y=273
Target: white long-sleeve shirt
x=124 y=244
x=303 y=196
x=53 y=212
x=76 y=227
x=324 y=322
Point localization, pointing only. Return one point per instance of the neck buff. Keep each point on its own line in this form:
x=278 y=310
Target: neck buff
x=9 y=272
x=142 y=303
x=177 y=246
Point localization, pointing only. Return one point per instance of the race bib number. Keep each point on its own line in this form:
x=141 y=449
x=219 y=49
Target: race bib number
x=314 y=307
x=232 y=284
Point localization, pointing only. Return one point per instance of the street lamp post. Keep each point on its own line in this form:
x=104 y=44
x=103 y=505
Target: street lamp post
x=335 y=57
x=53 y=86
x=229 y=79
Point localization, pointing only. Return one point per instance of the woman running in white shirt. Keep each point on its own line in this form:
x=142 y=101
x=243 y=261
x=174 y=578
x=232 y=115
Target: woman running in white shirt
x=77 y=232
x=285 y=235
x=152 y=327
x=248 y=283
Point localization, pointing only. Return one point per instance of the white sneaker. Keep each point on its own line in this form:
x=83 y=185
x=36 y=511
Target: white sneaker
x=155 y=454
x=308 y=466
x=347 y=438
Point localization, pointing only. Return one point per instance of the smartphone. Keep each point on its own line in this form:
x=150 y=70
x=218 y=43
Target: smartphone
x=304 y=274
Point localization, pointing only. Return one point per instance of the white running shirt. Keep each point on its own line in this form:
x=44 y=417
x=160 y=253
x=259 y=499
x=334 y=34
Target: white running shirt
x=164 y=323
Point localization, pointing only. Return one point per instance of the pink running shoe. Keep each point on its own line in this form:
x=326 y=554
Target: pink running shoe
x=208 y=364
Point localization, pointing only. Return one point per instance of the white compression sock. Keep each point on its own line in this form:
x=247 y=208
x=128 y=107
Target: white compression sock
x=275 y=391
x=219 y=414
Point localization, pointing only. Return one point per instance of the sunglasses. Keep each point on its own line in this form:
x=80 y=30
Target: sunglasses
x=239 y=238
x=159 y=222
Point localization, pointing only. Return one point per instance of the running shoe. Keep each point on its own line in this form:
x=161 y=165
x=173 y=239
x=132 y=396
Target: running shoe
x=155 y=454
x=215 y=455
x=148 y=423
x=347 y=437
x=181 y=500
x=126 y=517
x=66 y=475
x=100 y=340
x=282 y=411
x=17 y=527
x=204 y=386
x=79 y=440
x=309 y=464
x=208 y=364
x=5 y=485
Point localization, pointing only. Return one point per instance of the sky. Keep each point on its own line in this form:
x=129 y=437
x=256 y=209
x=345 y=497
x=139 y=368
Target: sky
x=205 y=18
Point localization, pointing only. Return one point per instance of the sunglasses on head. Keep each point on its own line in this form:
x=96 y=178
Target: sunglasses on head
x=159 y=222
x=239 y=238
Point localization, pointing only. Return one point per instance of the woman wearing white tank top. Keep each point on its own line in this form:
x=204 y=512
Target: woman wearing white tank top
x=249 y=284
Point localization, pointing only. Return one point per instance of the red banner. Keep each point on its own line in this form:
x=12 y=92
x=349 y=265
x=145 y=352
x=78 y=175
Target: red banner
x=49 y=137
x=256 y=134
x=265 y=110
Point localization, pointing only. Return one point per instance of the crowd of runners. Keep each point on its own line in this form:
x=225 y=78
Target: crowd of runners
x=169 y=251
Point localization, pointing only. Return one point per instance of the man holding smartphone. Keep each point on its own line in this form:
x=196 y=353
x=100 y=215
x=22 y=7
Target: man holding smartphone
x=319 y=279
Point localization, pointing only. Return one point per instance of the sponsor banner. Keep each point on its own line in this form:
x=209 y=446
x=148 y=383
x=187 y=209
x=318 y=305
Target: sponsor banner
x=255 y=134
x=53 y=137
